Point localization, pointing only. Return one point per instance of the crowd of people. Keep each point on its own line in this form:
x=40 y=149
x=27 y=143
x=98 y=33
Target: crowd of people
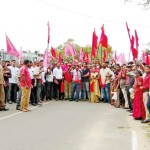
x=124 y=86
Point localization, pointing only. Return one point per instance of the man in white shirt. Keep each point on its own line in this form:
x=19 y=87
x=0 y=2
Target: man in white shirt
x=76 y=84
x=49 y=83
x=13 y=82
x=58 y=76
x=106 y=75
x=38 y=81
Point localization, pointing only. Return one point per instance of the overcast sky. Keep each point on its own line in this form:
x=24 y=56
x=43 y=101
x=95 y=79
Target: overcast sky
x=25 y=22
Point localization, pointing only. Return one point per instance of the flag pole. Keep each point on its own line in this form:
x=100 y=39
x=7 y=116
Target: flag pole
x=129 y=55
x=101 y=55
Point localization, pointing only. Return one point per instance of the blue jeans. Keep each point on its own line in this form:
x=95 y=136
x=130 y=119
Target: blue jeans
x=86 y=86
x=75 y=89
x=106 y=92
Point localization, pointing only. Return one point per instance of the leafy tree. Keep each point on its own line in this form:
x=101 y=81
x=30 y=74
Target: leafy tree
x=145 y=3
x=86 y=49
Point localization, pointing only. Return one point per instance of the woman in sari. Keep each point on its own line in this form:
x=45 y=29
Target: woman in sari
x=138 y=104
x=94 y=86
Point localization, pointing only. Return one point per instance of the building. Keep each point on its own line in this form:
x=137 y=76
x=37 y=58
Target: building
x=26 y=55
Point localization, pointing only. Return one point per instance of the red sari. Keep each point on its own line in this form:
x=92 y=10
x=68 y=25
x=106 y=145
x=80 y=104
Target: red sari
x=138 y=104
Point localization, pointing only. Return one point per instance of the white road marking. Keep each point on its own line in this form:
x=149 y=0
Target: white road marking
x=134 y=141
x=15 y=114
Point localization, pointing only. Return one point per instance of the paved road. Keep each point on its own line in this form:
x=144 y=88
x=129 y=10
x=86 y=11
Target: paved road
x=67 y=125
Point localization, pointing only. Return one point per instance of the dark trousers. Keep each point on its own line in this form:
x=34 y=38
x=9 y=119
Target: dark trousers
x=129 y=99
x=43 y=91
x=38 y=91
x=13 y=92
x=121 y=98
x=33 y=93
x=49 y=90
x=57 y=90
x=6 y=90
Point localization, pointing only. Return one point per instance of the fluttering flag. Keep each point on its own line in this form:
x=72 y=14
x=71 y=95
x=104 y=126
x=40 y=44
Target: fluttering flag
x=53 y=52
x=115 y=57
x=103 y=39
x=89 y=59
x=59 y=58
x=11 y=50
x=48 y=39
x=133 y=41
x=143 y=56
x=86 y=57
x=73 y=50
x=128 y=30
x=136 y=40
x=133 y=49
x=68 y=48
x=121 y=59
x=46 y=61
x=94 y=44
x=147 y=59
x=81 y=54
x=20 y=56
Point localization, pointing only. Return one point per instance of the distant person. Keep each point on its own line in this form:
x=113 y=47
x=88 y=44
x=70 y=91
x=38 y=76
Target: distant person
x=2 y=94
x=13 y=82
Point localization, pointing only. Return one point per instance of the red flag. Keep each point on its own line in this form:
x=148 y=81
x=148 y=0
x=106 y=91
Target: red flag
x=134 y=51
x=11 y=50
x=94 y=44
x=103 y=39
x=86 y=57
x=81 y=54
x=128 y=30
x=136 y=41
x=48 y=39
x=59 y=58
x=53 y=52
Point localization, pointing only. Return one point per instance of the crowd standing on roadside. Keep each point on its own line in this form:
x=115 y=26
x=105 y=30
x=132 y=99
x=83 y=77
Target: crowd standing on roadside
x=124 y=86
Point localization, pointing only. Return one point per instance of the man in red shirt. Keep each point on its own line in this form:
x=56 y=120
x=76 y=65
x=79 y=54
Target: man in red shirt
x=68 y=82
x=25 y=85
x=145 y=87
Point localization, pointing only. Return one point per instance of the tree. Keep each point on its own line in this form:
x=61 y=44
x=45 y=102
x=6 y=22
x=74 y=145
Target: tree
x=145 y=3
x=86 y=49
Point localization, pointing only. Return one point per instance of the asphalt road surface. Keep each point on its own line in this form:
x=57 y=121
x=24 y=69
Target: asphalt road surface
x=64 y=125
